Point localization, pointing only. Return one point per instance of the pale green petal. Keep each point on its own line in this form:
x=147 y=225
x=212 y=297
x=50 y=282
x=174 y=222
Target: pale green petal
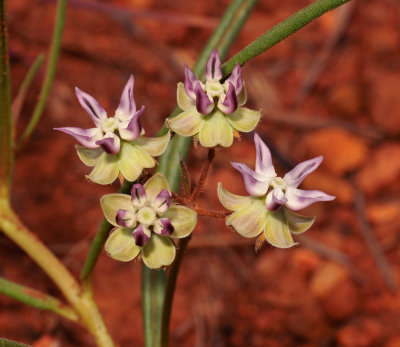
x=133 y=160
x=186 y=123
x=231 y=201
x=215 y=130
x=111 y=203
x=158 y=252
x=184 y=101
x=242 y=97
x=183 y=219
x=298 y=224
x=155 y=185
x=249 y=221
x=121 y=246
x=154 y=146
x=277 y=231
x=244 y=119
x=89 y=156
x=106 y=170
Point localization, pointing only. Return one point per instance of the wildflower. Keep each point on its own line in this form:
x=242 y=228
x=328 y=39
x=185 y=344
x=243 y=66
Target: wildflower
x=212 y=110
x=268 y=208
x=145 y=222
x=115 y=145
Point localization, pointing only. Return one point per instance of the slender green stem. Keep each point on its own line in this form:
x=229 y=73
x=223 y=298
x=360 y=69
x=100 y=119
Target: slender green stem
x=9 y=343
x=147 y=306
x=50 y=71
x=6 y=155
x=36 y=299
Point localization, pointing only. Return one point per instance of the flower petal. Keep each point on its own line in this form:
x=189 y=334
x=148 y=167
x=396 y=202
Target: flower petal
x=184 y=101
x=163 y=227
x=255 y=184
x=106 y=170
x=190 y=82
x=162 y=201
x=142 y=235
x=186 y=123
x=244 y=119
x=298 y=224
x=299 y=199
x=242 y=97
x=249 y=221
x=229 y=103
x=112 y=203
x=138 y=196
x=133 y=160
x=231 y=201
x=295 y=176
x=125 y=218
x=277 y=231
x=154 y=146
x=263 y=158
x=155 y=185
x=213 y=67
x=236 y=79
x=86 y=137
x=127 y=106
x=215 y=130
x=121 y=246
x=183 y=220
x=88 y=156
x=111 y=143
x=203 y=103
x=275 y=199
x=158 y=252
x=91 y=105
x=133 y=129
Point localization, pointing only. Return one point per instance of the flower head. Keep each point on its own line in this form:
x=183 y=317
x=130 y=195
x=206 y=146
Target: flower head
x=145 y=221
x=213 y=109
x=115 y=143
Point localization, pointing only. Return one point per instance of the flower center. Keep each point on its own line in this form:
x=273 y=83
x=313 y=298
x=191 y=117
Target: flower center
x=278 y=182
x=109 y=125
x=146 y=216
x=214 y=88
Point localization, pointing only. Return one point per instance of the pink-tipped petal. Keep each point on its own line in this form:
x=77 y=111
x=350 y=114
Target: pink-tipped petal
x=91 y=105
x=125 y=218
x=275 y=199
x=139 y=196
x=134 y=128
x=299 y=199
x=127 y=106
x=190 y=82
x=162 y=201
x=110 y=144
x=295 y=176
x=230 y=103
x=263 y=158
x=141 y=235
x=86 y=137
x=255 y=184
x=164 y=227
x=203 y=103
x=236 y=78
x=213 y=68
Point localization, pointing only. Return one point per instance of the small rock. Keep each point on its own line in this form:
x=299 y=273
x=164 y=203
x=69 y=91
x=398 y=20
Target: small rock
x=345 y=99
x=305 y=261
x=327 y=278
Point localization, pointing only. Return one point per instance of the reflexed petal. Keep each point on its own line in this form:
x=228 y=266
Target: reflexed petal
x=275 y=199
x=242 y=97
x=86 y=137
x=203 y=103
x=299 y=199
x=236 y=78
x=91 y=105
x=230 y=103
x=295 y=176
x=155 y=185
x=184 y=101
x=106 y=170
x=263 y=158
x=213 y=67
x=162 y=201
x=110 y=144
x=133 y=128
x=139 y=196
x=255 y=184
x=121 y=246
x=125 y=218
x=231 y=201
x=141 y=235
x=158 y=252
x=163 y=227
x=183 y=219
x=89 y=156
x=298 y=224
x=112 y=203
x=127 y=106
x=215 y=130
x=186 y=123
x=190 y=82
x=154 y=146
x=133 y=160
x=249 y=221
x=244 y=119
x=277 y=231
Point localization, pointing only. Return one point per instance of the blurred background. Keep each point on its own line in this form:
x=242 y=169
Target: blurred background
x=331 y=89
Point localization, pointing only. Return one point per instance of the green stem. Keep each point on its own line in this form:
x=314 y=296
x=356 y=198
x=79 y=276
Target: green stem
x=36 y=299
x=50 y=71
x=147 y=306
x=9 y=343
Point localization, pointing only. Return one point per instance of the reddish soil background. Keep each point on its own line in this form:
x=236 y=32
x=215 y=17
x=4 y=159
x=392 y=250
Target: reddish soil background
x=330 y=89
